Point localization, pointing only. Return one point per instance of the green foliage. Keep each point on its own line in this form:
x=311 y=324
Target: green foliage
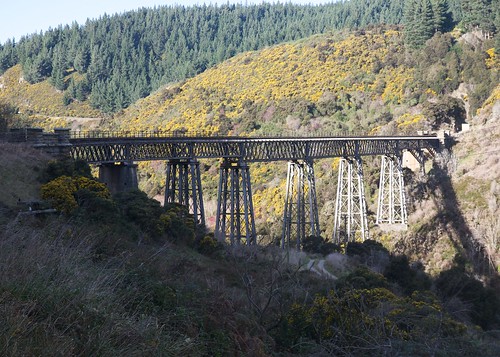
x=208 y=245
x=370 y=322
x=449 y=111
x=7 y=111
x=65 y=167
x=362 y=278
x=319 y=245
x=173 y=220
x=483 y=303
x=66 y=193
x=420 y=22
x=365 y=248
x=137 y=208
x=93 y=208
x=477 y=14
x=408 y=278
x=178 y=224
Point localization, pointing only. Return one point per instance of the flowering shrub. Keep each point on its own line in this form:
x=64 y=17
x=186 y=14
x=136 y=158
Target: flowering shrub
x=64 y=192
x=351 y=321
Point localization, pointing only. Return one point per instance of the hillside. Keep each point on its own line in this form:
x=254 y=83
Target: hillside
x=358 y=82
x=124 y=276
x=122 y=58
x=337 y=77
x=40 y=104
x=20 y=167
x=455 y=215
x=363 y=81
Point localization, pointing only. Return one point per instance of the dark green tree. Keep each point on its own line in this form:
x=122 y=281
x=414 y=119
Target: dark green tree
x=7 y=112
x=477 y=14
x=58 y=69
x=82 y=59
x=442 y=20
x=8 y=57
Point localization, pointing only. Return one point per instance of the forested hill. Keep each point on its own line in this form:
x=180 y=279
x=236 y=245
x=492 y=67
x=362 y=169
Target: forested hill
x=115 y=60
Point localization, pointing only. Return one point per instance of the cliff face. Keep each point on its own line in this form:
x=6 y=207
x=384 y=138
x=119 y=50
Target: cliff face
x=457 y=213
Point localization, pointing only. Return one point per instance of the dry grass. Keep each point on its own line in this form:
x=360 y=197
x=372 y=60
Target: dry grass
x=19 y=168
x=55 y=299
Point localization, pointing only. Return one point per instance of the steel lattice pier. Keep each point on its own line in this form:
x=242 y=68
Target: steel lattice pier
x=235 y=218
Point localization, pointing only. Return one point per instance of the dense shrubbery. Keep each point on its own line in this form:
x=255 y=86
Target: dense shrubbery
x=65 y=167
x=67 y=193
x=6 y=113
x=81 y=284
x=320 y=245
x=481 y=303
x=371 y=322
x=90 y=201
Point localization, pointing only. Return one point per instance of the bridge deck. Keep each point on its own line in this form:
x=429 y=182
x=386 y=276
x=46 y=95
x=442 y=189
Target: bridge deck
x=250 y=149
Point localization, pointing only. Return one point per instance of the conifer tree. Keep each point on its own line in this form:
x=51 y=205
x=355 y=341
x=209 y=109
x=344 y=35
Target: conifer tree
x=477 y=14
x=58 y=68
x=82 y=59
x=441 y=15
x=420 y=22
x=8 y=56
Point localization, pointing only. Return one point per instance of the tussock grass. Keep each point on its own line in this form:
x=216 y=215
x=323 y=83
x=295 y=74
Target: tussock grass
x=19 y=168
x=55 y=299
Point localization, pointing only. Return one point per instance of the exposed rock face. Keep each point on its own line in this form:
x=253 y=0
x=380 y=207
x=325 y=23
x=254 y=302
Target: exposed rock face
x=458 y=212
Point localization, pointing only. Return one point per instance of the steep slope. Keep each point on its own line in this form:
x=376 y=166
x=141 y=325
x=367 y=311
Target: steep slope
x=41 y=104
x=342 y=77
x=459 y=217
x=363 y=81
x=124 y=57
x=122 y=276
x=358 y=81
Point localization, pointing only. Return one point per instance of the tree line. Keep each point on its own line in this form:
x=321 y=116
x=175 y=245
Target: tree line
x=115 y=60
x=424 y=18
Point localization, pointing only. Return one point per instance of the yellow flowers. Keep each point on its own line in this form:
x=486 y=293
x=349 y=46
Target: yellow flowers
x=41 y=101
x=300 y=71
x=492 y=60
x=63 y=191
x=407 y=119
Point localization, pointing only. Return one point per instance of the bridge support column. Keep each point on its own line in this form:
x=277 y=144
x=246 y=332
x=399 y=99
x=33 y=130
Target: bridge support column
x=183 y=186
x=391 y=196
x=300 y=218
x=235 y=218
x=119 y=177
x=350 y=223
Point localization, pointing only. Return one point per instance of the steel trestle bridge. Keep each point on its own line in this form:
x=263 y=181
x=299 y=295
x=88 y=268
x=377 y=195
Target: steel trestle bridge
x=248 y=149
x=115 y=153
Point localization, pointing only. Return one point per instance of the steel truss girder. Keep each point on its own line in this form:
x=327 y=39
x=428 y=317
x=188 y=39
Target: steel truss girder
x=300 y=217
x=350 y=221
x=419 y=155
x=391 y=196
x=183 y=186
x=247 y=149
x=235 y=216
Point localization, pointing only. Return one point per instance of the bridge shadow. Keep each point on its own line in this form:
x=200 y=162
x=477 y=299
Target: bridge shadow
x=450 y=218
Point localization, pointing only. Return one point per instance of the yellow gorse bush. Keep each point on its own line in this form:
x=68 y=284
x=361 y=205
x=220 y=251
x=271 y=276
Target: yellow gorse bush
x=299 y=71
x=62 y=191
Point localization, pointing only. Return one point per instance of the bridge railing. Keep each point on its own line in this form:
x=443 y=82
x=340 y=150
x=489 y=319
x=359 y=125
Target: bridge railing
x=97 y=134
